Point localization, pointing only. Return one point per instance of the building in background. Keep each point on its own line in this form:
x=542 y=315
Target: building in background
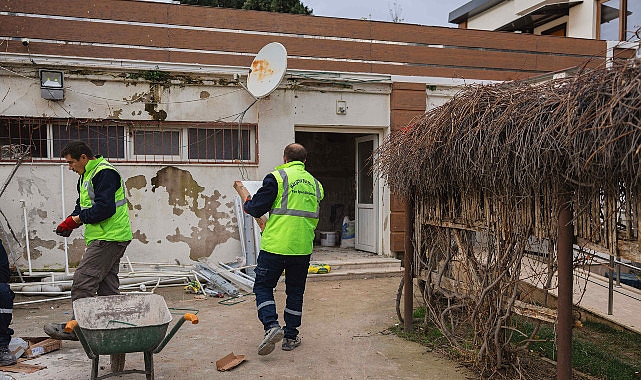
x=612 y=20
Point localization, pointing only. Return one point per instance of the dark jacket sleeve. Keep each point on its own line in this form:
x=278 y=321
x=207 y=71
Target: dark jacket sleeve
x=105 y=185
x=261 y=203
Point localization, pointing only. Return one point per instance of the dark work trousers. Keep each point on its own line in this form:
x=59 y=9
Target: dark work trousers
x=268 y=271
x=6 y=299
x=97 y=273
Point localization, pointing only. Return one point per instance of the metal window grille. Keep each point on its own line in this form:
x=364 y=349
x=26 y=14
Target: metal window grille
x=220 y=144
x=22 y=137
x=106 y=138
x=129 y=141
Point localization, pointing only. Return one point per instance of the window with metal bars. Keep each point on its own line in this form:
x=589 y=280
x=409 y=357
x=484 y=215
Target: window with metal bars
x=117 y=140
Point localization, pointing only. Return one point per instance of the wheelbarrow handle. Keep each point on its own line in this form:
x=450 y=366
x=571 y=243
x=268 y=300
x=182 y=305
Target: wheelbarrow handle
x=70 y=326
x=187 y=317
x=191 y=317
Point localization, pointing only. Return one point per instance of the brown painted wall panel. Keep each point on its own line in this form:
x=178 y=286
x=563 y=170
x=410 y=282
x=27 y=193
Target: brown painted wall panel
x=401 y=118
x=96 y=52
x=397 y=222
x=408 y=86
x=486 y=39
x=397 y=203
x=211 y=59
x=299 y=24
x=455 y=57
x=397 y=242
x=448 y=72
x=139 y=11
x=304 y=64
x=268 y=21
x=238 y=42
x=408 y=100
x=70 y=30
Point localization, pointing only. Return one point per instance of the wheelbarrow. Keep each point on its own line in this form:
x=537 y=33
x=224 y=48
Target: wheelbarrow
x=119 y=324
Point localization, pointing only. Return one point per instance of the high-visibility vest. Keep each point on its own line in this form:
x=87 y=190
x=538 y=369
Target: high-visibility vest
x=114 y=228
x=294 y=215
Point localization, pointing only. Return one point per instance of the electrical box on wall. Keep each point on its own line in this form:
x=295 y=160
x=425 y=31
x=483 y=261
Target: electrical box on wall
x=341 y=107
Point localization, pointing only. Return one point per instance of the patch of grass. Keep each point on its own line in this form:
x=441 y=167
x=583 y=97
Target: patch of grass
x=598 y=350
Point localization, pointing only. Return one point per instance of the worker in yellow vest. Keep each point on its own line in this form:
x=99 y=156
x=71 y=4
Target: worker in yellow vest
x=292 y=197
x=102 y=208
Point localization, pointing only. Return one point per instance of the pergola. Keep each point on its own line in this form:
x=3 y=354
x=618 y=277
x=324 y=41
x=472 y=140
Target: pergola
x=503 y=171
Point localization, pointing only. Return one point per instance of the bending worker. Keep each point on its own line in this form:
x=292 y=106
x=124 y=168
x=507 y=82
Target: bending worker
x=102 y=207
x=292 y=197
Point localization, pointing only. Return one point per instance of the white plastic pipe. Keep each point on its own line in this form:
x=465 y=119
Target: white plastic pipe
x=26 y=234
x=62 y=188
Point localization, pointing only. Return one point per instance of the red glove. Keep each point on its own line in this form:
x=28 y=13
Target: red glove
x=246 y=199
x=67 y=225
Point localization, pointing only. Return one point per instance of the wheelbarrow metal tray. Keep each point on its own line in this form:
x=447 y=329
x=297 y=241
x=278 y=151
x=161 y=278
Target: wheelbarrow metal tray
x=122 y=323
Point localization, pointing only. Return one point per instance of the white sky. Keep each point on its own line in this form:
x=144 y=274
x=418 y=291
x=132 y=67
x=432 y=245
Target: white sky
x=423 y=12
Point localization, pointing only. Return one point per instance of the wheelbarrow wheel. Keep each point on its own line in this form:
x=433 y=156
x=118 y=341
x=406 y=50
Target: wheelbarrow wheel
x=117 y=362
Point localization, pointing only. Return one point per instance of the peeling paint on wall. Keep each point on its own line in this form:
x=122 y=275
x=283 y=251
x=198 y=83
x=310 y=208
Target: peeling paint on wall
x=26 y=186
x=185 y=195
x=135 y=182
x=140 y=236
x=115 y=114
x=39 y=247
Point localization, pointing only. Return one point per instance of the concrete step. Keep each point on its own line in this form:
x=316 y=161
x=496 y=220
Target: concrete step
x=358 y=269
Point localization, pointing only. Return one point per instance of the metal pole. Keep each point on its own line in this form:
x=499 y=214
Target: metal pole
x=62 y=189
x=26 y=234
x=408 y=258
x=611 y=285
x=564 y=256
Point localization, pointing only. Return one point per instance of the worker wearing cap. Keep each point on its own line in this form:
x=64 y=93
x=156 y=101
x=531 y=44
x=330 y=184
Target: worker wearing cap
x=102 y=207
x=292 y=197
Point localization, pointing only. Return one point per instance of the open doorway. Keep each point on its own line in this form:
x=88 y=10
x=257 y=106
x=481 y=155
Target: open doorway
x=332 y=159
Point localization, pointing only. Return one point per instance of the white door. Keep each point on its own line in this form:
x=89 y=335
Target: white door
x=366 y=195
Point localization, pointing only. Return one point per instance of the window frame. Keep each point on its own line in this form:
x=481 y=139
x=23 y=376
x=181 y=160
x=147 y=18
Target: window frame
x=129 y=127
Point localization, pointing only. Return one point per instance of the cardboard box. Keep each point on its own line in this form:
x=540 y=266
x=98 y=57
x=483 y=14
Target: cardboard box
x=41 y=345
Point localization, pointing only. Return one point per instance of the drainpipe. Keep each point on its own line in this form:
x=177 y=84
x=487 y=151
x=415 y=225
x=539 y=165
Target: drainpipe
x=408 y=258
x=564 y=256
x=26 y=234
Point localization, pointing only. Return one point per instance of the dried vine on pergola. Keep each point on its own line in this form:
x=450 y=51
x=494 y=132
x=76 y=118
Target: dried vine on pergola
x=486 y=171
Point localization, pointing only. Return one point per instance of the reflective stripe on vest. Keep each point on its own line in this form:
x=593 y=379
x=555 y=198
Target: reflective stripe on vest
x=92 y=194
x=283 y=210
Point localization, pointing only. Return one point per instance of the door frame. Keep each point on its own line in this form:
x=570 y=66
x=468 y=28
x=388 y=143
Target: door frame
x=374 y=206
x=383 y=199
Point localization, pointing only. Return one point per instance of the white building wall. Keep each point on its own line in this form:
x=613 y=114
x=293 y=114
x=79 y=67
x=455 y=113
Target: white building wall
x=493 y=18
x=178 y=211
x=582 y=22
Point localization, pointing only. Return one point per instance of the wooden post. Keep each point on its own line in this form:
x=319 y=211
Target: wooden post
x=565 y=240
x=408 y=259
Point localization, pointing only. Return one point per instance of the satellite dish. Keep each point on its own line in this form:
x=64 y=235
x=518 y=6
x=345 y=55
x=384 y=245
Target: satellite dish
x=267 y=70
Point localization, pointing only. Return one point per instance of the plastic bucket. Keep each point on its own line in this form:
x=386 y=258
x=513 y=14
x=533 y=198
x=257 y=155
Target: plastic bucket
x=328 y=239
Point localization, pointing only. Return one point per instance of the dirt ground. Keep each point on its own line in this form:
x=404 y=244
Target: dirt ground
x=344 y=334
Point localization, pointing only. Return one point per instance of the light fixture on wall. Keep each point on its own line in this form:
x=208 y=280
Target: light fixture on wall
x=51 y=85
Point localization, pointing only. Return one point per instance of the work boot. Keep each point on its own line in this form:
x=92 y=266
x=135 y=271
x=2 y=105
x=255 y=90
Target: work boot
x=272 y=336
x=290 y=344
x=7 y=357
x=57 y=331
